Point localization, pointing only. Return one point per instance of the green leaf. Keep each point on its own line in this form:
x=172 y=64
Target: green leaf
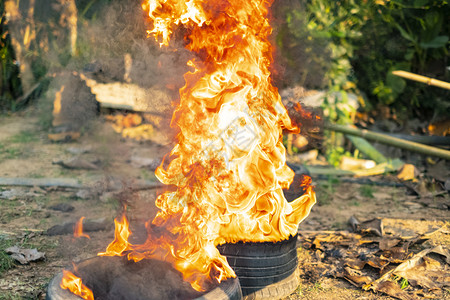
x=420 y=3
x=397 y=84
x=437 y=42
x=409 y=54
x=405 y=34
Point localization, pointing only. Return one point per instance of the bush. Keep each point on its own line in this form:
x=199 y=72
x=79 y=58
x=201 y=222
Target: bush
x=10 y=87
x=364 y=41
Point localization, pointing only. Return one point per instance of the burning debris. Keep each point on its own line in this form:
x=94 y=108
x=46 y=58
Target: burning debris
x=78 y=229
x=75 y=285
x=228 y=169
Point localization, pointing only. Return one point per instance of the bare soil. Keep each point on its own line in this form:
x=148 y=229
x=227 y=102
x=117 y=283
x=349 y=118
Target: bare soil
x=25 y=151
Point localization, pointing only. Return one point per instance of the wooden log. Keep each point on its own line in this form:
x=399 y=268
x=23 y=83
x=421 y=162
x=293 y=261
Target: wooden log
x=41 y=182
x=423 y=79
x=389 y=140
x=74 y=183
x=366 y=148
x=383 y=168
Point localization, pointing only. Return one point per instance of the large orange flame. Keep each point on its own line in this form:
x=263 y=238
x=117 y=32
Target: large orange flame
x=75 y=285
x=229 y=165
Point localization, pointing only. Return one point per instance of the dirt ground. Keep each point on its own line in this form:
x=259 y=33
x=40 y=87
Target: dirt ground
x=25 y=151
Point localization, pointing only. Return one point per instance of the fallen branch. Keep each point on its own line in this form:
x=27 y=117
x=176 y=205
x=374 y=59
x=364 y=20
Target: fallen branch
x=389 y=140
x=42 y=182
x=379 y=169
x=423 y=79
x=423 y=139
x=366 y=148
x=75 y=184
x=363 y=181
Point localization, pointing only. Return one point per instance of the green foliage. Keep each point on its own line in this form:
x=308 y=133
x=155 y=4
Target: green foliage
x=334 y=155
x=364 y=41
x=10 y=86
x=366 y=191
x=6 y=262
x=24 y=137
x=403 y=35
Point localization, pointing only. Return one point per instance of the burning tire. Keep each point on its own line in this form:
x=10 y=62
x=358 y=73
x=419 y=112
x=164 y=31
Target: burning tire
x=115 y=278
x=265 y=270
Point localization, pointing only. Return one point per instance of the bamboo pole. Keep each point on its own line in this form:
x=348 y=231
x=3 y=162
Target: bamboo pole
x=423 y=79
x=379 y=169
x=389 y=140
x=366 y=148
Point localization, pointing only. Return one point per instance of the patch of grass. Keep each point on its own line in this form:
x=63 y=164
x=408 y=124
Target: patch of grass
x=299 y=290
x=326 y=190
x=6 y=262
x=10 y=296
x=355 y=203
x=148 y=175
x=366 y=191
x=24 y=137
x=36 y=175
x=11 y=153
x=404 y=283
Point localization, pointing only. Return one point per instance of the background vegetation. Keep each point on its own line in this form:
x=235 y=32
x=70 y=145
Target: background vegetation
x=355 y=44
x=341 y=46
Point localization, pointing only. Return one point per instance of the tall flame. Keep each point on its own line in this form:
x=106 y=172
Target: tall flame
x=229 y=165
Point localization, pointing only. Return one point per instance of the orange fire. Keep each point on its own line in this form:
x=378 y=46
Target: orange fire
x=78 y=229
x=75 y=286
x=229 y=165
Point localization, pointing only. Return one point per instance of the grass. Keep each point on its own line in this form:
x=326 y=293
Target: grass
x=148 y=175
x=10 y=153
x=10 y=296
x=24 y=137
x=326 y=190
x=355 y=203
x=366 y=191
x=6 y=262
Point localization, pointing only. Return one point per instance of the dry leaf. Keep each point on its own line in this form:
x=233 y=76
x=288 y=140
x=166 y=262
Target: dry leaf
x=25 y=256
x=386 y=244
x=408 y=172
x=392 y=289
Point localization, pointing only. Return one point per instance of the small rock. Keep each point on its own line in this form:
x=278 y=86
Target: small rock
x=76 y=163
x=11 y=194
x=144 y=162
x=84 y=194
x=64 y=207
x=79 y=150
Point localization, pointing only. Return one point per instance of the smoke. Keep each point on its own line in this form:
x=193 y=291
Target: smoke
x=120 y=31
x=112 y=46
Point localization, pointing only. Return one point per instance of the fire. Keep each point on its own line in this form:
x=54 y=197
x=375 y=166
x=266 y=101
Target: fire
x=74 y=285
x=229 y=163
x=120 y=243
x=78 y=229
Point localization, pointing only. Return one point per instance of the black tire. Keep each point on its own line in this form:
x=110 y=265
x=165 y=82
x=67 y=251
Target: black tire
x=100 y=275
x=263 y=266
x=274 y=291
